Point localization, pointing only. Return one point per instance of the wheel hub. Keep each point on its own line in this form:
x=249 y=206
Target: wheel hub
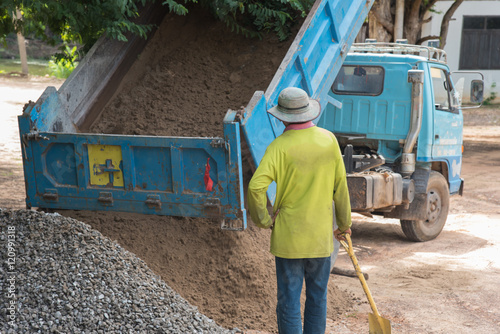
x=433 y=207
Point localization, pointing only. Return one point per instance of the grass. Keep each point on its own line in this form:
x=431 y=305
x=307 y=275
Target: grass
x=352 y=315
x=36 y=67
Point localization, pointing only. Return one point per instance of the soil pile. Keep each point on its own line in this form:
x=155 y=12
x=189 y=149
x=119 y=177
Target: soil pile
x=190 y=73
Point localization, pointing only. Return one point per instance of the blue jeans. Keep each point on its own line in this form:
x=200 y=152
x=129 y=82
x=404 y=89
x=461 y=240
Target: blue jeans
x=290 y=274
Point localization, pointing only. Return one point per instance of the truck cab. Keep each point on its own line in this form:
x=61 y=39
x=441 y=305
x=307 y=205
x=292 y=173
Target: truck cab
x=400 y=124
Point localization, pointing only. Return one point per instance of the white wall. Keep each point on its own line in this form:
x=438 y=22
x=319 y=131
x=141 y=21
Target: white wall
x=452 y=47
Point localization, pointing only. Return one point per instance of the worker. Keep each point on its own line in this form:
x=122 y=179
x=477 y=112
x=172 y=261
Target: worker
x=307 y=166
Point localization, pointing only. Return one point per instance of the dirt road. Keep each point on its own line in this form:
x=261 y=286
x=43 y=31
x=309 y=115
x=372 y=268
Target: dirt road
x=449 y=285
x=14 y=93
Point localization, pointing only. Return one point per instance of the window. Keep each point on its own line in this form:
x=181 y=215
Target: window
x=359 y=80
x=480 y=43
x=441 y=87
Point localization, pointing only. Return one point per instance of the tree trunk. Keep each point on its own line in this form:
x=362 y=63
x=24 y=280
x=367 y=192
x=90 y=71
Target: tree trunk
x=384 y=28
x=380 y=21
x=413 y=21
x=22 y=46
x=399 y=20
x=361 y=36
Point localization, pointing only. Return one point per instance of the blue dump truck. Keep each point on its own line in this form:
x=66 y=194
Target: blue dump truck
x=393 y=108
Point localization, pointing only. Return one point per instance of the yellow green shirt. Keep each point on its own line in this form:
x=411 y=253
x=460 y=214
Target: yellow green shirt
x=309 y=172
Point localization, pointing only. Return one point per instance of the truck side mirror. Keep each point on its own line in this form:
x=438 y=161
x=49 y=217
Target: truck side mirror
x=476 y=91
x=469 y=89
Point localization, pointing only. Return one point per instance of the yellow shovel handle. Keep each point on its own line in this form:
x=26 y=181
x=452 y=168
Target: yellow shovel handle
x=350 y=251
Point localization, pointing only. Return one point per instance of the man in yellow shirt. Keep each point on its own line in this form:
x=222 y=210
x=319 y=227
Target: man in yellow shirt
x=307 y=166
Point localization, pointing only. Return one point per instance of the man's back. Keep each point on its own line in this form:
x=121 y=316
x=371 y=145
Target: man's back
x=308 y=168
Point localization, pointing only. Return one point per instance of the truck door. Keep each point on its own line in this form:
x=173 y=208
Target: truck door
x=448 y=124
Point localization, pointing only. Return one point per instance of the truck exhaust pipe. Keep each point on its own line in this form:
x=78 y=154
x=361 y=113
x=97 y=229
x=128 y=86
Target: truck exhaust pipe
x=416 y=77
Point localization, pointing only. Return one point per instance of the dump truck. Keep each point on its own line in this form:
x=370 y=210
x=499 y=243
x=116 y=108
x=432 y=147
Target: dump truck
x=400 y=125
x=393 y=108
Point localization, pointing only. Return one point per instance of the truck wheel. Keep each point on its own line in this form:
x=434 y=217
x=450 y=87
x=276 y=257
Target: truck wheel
x=438 y=201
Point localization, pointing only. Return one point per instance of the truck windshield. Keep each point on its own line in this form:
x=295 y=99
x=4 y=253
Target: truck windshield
x=359 y=80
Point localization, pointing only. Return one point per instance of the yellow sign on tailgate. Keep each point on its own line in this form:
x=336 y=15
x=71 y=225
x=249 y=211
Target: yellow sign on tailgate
x=104 y=163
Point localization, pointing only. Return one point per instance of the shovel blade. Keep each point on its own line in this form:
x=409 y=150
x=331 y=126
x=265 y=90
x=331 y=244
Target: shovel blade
x=379 y=325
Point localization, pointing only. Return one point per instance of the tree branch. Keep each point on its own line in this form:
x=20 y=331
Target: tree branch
x=446 y=22
x=427 y=20
x=426 y=38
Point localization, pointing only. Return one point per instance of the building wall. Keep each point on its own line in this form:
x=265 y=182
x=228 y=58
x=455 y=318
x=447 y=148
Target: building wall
x=453 y=41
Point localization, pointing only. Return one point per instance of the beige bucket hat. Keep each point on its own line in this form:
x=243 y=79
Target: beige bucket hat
x=295 y=106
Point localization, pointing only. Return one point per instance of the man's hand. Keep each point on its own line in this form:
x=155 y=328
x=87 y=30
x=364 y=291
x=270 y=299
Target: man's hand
x=274 y=218
x=340 y=235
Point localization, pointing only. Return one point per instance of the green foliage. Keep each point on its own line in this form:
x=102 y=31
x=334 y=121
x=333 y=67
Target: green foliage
x=432 y=9
x=61 y=66
x=80 y=21
x=84 y=21
x=493 y=95
x=176 y=7
x=251 y=17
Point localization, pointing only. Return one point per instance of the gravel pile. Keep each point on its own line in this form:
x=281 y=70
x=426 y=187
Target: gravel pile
x=58 y=275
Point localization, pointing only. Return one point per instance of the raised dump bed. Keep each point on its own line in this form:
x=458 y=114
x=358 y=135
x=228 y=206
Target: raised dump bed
x=156 y=171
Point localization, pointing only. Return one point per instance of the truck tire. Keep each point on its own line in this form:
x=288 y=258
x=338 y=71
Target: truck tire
x=438 y=202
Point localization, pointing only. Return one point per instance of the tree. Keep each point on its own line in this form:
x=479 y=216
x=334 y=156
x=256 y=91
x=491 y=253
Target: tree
x=76 y=21
x=21 y=44
x=84 y=21
x=414 y=11
x=79 y=21
x=251 y=17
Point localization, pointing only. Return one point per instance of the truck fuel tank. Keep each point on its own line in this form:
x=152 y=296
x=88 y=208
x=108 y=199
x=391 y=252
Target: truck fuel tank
x=373 y=190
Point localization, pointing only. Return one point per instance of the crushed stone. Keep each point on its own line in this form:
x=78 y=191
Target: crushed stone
x=57 y=274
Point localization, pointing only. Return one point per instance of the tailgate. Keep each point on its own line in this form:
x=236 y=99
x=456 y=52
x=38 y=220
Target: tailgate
x=151 y=175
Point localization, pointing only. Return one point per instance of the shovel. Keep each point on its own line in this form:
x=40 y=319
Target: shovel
x=378 y=325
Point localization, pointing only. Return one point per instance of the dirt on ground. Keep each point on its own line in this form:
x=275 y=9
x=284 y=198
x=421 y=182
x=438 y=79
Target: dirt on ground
x=15 y=93
x=448 y=285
